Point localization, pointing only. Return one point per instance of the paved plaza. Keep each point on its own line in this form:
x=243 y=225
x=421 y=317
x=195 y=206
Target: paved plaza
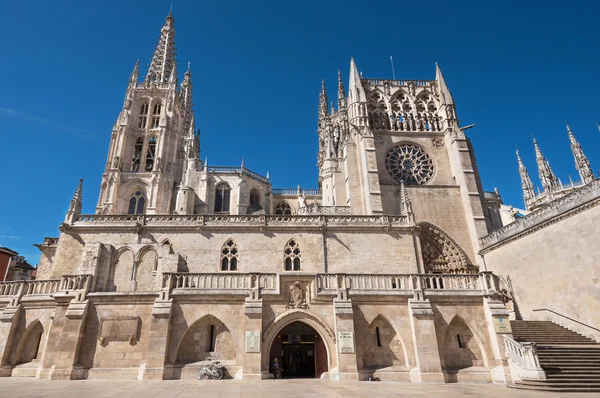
x=29 y=387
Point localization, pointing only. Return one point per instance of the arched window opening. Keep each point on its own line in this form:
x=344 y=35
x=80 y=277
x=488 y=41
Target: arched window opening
x=460 y=343
x=378 y=336
x=291 y=256
x=156 y=115
x=143 y=116
x=378 y=116
x=211 y=342
x=283 y=209
x=137 y=154
x=229 y=256
x=151 y=154
x=254 y=198
x=136 y=203
x=222 y=195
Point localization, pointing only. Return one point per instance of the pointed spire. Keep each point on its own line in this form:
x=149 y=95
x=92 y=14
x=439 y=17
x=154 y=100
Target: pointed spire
x=135 y=75
x=76 y=204
x=186 y=95
x=243 y=164
x=323 y=107
x=356 y=93
x=582 y=164
x=268 y=177
x=547 y=177
x=164 y=64
x=405 y=205
x=331 y=108
x=445 y=95
x=526 y=184
x=341 y=92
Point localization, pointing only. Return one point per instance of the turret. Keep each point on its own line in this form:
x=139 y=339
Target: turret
x=526 y=184
x=75 y=205
x=581 y=162
x=547 y=177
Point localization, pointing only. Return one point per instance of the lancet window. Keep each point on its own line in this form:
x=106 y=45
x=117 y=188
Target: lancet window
x=137 y=154
x=378 y=116
x=150 y=154
x=222 y=198
x=136 y=203
x=229 y=256
x=291 y=256
x=156 y=115
x=283 y=209
x=143 y=115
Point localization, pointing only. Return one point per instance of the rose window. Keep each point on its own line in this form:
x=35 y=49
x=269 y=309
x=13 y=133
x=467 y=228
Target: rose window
x=410 y=164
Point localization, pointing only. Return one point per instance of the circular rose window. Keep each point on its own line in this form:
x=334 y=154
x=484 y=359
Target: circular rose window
x=410 y=164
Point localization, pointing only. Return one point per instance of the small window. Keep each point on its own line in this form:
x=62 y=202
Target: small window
x=229 y=256
x=283 y=209
x=137 y=154
x=460 y=342
x=378 y=336
x=222 y=196
x=291 y=256
x=143 y=116
x=156 y=115
x=136 y=203
x=150 y=154
x=254 y=198
x=211 y=342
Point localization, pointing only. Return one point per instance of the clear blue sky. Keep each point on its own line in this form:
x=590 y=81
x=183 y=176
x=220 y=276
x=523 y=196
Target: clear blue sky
x=513 y=67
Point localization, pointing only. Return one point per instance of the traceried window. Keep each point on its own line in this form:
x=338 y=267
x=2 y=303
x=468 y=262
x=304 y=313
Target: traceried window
x=222 y=196
x=156 y=115
x=150 y=154
x=410 y=164
x=291 y=256
x=229 y=256
x=143 y=116
x=378 y=116
x=254 y=198
x=136 y=203
x=137 y=154
x=283 y=209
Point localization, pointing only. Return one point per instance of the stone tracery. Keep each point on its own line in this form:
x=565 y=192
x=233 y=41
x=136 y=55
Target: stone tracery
x=441 y=253
x=409 y=164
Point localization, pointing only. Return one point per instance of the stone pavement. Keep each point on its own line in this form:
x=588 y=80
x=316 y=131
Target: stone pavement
x=27 y=387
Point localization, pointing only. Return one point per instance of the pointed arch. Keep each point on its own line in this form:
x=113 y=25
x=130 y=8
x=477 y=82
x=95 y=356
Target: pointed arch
x=461 y=347
x=283 y=209
x=121 y=270
x=378 y=111
x=382 y=346
x=292 y=256
x=28 y=349
x=441 y=254
x=229 y=259
x=146 y=261
x=206 y=338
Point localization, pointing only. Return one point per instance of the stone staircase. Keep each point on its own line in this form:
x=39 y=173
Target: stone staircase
x=571 y=361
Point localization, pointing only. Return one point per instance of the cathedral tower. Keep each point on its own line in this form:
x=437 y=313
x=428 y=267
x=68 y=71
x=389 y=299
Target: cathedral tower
x=152 y=138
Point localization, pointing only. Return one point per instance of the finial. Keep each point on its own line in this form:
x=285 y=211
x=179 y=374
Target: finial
x=242 y=163
x=268 y=177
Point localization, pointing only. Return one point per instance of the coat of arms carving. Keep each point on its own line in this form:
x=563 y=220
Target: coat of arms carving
x=297 y=296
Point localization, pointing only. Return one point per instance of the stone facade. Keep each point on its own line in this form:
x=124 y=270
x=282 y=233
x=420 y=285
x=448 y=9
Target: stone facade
x=185 y=263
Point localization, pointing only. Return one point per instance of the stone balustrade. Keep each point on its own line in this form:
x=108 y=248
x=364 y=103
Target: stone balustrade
x=22 y=288
x=219 y=221
x=75 y=283
x=324 y=210
x=523 y=360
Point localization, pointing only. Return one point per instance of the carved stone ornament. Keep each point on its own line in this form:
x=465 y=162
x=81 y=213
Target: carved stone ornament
x=297 y=297
x=437 y=143
x=119 y=328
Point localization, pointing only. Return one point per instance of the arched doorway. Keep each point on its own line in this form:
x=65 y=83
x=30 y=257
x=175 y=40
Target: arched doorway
x=301 y=351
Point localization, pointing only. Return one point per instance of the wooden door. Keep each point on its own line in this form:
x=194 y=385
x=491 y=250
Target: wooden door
x=321 y=363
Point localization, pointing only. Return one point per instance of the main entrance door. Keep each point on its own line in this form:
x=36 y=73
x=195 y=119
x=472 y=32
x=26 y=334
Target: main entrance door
x=300 y=351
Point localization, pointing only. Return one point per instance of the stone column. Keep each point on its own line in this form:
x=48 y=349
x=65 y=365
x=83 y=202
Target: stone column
x=253 y=349
x=428 y=363
x=345 y=352
x=160 y=328
x=65 y=336
x=9 y=319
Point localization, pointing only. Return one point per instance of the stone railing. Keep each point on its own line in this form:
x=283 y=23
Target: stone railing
x=22 y=288
x=491 y=195
x=324 y=210
x=554 y=209
x=229 y=169
x=523 y=360
x=378 y=82
x=70 y=283
x=220 y=282
x=451 y=282
x=296 y=191
x=258 y=221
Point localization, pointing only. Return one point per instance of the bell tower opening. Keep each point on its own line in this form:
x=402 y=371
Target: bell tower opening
x=300 y=351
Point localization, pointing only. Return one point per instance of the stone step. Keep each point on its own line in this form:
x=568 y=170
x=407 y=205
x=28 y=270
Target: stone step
x=593 y=377
x=524 y=386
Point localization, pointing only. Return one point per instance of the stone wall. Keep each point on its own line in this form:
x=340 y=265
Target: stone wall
x=553 y=262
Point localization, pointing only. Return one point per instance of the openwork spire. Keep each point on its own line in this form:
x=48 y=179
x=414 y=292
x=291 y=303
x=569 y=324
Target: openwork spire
x=186 y=97
x=163 y=63
x=549 y=181
x=341 y=93
x=581 y=162
x=526 y=184
x=323 y=105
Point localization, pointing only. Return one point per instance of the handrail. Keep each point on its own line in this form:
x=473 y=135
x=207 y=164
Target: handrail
x=524 y=358
x=566 y=317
